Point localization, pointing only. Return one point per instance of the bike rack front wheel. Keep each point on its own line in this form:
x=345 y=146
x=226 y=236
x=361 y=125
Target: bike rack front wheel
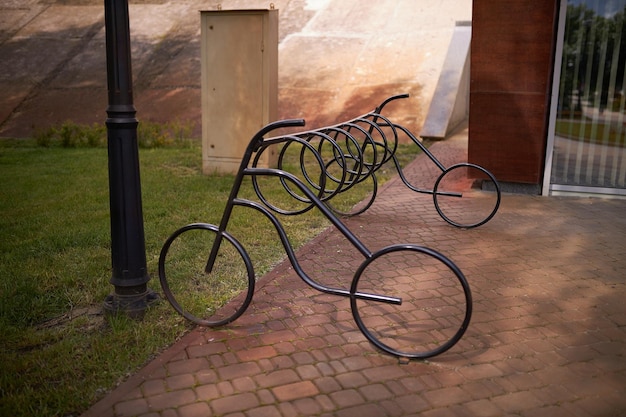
x=436 y=303
x=208 y=295
x=466 y=195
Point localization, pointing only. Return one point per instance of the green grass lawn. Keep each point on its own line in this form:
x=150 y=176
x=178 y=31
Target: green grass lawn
x=58 y=352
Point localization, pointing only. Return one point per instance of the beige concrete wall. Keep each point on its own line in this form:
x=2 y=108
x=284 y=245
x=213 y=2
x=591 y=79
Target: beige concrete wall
x=337 y=58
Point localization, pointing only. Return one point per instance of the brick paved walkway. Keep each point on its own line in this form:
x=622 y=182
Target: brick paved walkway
x=547 y=337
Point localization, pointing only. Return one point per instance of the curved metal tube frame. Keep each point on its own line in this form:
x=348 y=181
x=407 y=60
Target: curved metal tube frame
x=360 y=147
x=316 y=194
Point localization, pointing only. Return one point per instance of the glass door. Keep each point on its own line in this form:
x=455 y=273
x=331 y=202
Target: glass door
x=587 y=142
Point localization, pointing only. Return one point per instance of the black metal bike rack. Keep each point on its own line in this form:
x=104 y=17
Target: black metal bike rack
x=332 y=160
x=349 y=154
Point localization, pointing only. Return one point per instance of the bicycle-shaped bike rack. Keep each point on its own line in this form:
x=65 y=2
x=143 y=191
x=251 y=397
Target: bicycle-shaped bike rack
x=337 y=159
x=417 y=311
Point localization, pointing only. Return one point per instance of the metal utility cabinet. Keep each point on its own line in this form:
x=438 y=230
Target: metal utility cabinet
x=239 y=83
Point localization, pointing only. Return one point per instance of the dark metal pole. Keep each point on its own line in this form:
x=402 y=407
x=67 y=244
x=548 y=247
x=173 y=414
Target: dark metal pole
x=128 y=253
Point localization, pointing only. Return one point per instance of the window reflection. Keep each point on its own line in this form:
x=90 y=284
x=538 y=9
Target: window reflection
x=590 y=129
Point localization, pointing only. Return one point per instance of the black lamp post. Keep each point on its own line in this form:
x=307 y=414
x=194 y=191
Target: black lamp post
x=130 y=275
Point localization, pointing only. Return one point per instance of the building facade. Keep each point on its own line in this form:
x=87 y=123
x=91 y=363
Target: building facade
x=547 y=95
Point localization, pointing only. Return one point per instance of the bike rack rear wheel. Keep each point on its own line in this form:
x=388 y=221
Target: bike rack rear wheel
x=208 y=296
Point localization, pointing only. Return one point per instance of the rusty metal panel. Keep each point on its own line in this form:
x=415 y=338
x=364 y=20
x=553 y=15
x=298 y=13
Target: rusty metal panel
x=511 y=68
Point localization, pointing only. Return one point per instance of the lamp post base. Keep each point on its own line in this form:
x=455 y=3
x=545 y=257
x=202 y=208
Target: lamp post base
x=132 y=305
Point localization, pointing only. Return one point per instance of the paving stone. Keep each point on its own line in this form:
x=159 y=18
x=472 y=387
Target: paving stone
x=254 y=354
x=225 y=388
x=308 y=372
x=325 y=402
x=171 y=399
x=375 y=392
x=383 y=373
x=412 y=403
x=295 y=390
x=234 y=403
x=266 y=411
x=153 y=387
x=207 y=392
x=277 y=378
x=184 y=366
x=346 y=398
x=365 y=410
x=199 y=409
x=515 y=402
x=206 y=349
x=238 y=370
x=303 y=358
x=482 y=408
x=132 y=407
x=307 y=406
x=351 y=380
x=391 y=408
x=244 y=384
x=445 y=397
